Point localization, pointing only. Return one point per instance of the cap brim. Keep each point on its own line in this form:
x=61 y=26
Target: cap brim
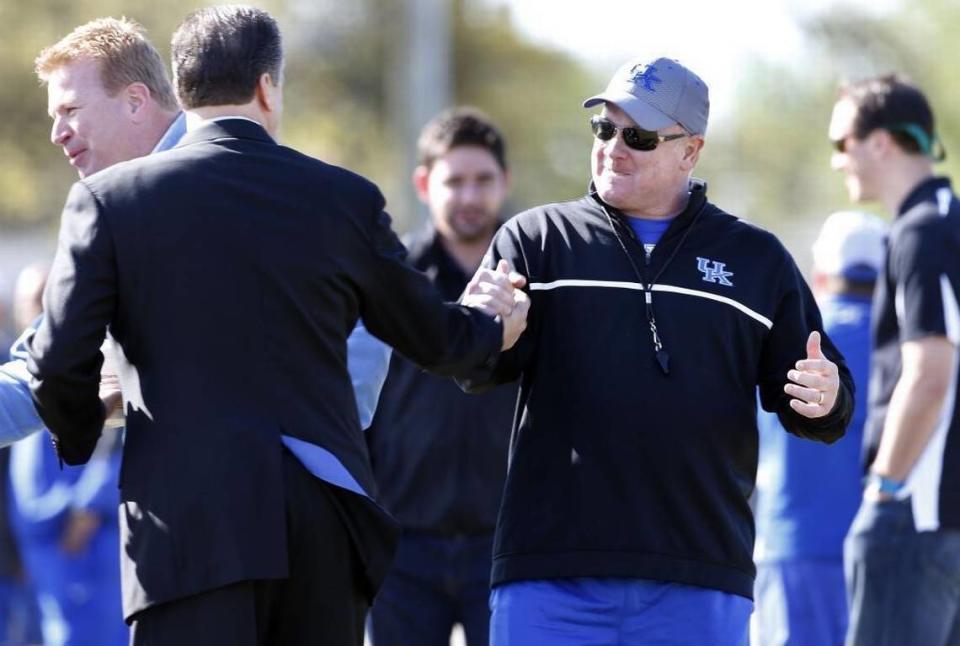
x=645 y=116
x=860 y=272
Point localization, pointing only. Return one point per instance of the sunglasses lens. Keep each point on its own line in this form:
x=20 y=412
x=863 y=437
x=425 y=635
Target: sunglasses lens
x=636 y=138
x=602 y=129
x=640 y=139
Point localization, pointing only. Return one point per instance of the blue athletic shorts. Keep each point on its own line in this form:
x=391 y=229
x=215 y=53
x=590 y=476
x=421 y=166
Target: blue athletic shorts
x=614 y=611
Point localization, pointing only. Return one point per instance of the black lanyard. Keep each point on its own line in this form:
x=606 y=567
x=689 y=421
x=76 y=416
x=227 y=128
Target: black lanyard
x=661 y=355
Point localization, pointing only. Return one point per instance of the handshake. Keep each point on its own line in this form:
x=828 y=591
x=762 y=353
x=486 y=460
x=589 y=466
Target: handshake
x=497 y=292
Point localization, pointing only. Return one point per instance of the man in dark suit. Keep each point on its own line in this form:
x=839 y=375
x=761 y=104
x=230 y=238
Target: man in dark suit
x=231 y=270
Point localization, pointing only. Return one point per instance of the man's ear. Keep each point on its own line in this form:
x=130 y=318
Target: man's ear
x=692 y=146
x=881 y=143
x=136 y=97
x=267 y=93
x=421 y=180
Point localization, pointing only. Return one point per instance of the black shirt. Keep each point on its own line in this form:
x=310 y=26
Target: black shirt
x=916 y=297
x=439 y=455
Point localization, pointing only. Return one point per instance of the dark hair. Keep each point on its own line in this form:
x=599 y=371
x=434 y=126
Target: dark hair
x=895 y=105
x=460 y=127
x=220 y=53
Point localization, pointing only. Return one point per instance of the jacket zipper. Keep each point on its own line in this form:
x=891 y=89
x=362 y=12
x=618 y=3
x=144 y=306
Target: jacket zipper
x=660 y=354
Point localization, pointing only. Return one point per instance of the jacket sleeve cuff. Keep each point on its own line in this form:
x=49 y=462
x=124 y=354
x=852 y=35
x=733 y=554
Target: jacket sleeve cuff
x=480 y=377
x=828 y=428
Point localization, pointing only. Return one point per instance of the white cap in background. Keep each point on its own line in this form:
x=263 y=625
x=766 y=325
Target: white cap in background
x=851 y=244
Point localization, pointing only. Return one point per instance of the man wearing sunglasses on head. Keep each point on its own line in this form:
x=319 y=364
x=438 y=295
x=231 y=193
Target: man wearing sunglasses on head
x=654 y=317
x=902 y=553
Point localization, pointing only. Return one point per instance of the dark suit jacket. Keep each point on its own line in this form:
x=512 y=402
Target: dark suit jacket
x=231 y=271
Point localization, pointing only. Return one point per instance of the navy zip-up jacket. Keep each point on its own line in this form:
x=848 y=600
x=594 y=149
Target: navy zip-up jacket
x=626 y=461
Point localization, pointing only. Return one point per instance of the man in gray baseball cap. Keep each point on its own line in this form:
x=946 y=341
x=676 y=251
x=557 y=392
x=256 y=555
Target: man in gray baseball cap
x=654 y=317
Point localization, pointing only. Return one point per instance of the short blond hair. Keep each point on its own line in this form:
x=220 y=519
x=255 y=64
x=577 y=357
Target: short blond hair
x=123 y=51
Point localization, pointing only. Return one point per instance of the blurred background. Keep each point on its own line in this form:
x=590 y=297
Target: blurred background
x=363 y=76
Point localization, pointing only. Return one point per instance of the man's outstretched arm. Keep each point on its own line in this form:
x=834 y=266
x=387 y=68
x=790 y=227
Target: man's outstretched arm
x=64 y=354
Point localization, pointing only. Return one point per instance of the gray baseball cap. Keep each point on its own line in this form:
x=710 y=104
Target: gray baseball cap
x=658 y=94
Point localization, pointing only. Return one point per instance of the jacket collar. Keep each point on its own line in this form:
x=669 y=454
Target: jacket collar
x=922 y=192
x=226 y=128
x=425 y=247
x=697 y=201
x=423 y=241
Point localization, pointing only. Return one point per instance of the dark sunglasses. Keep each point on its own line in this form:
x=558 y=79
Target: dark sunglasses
x=932 y=147
x=636 y=138
x=839 y=145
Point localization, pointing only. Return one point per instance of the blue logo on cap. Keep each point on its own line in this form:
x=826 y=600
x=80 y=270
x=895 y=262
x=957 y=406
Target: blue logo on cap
x=646 y=75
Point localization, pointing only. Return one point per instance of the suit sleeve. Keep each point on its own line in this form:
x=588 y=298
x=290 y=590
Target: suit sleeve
x=18 y=417
x=796 y=316
x=79 y=302
x=399 y=305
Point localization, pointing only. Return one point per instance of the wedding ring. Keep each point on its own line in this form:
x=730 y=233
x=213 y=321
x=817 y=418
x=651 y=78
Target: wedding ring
x=820 y=401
